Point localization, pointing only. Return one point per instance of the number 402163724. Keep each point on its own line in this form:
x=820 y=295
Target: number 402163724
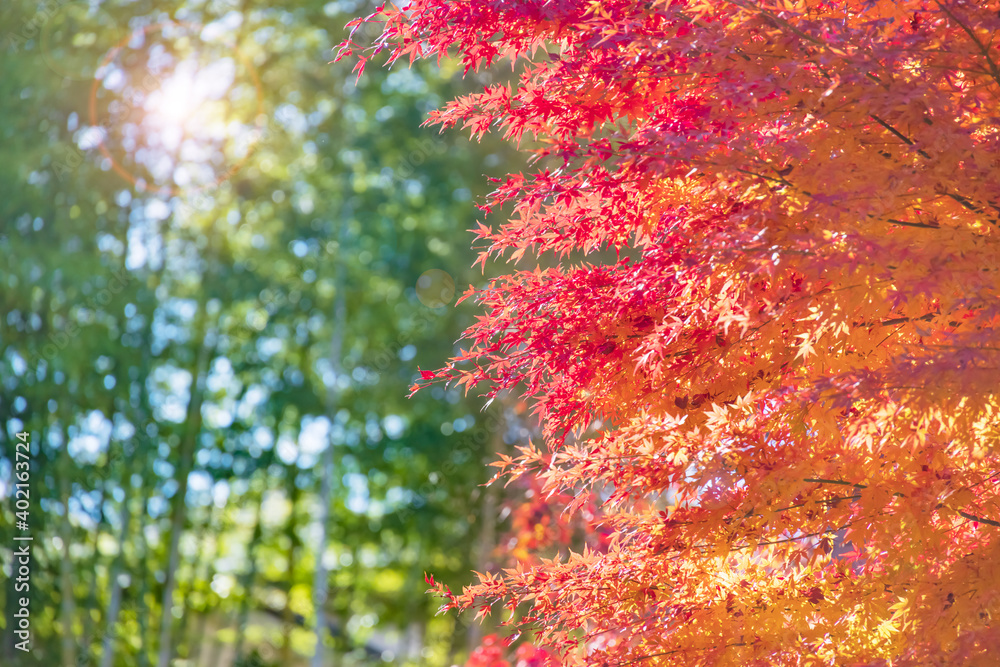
x=23 y=474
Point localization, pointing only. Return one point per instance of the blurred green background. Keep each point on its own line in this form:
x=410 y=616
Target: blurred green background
x=222 y=260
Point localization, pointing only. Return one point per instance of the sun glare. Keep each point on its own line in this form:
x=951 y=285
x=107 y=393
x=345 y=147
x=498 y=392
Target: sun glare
x=186 y=122
x=188 y=98
x=175 y=102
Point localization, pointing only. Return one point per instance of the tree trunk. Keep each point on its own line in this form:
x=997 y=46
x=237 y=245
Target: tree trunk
x=114 y=604
x=248 y=582
x=118 y=566
x=136 y=464
x=67 y=606
x=455 y=638
x=212 y=656
x=204 y=639
x=142 y=612
x=488 y=528
x=185 y=463
x=320 y=584
x=329 y=466
x=287 y=617
x=90 y=633
x=197 y=623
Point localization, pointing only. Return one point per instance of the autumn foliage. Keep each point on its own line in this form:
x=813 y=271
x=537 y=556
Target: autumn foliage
x=794 y=351
x=492 y=652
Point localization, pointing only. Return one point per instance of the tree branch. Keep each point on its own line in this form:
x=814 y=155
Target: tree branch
x=965 y=515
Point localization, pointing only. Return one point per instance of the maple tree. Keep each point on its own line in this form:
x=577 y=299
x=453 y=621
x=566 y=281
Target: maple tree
x=794 y=354
x=491 y=653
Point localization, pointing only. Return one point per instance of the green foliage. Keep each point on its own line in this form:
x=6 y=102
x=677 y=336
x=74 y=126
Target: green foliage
x=183 y=344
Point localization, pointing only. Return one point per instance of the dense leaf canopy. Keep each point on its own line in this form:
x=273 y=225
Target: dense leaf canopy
x=790 y=362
